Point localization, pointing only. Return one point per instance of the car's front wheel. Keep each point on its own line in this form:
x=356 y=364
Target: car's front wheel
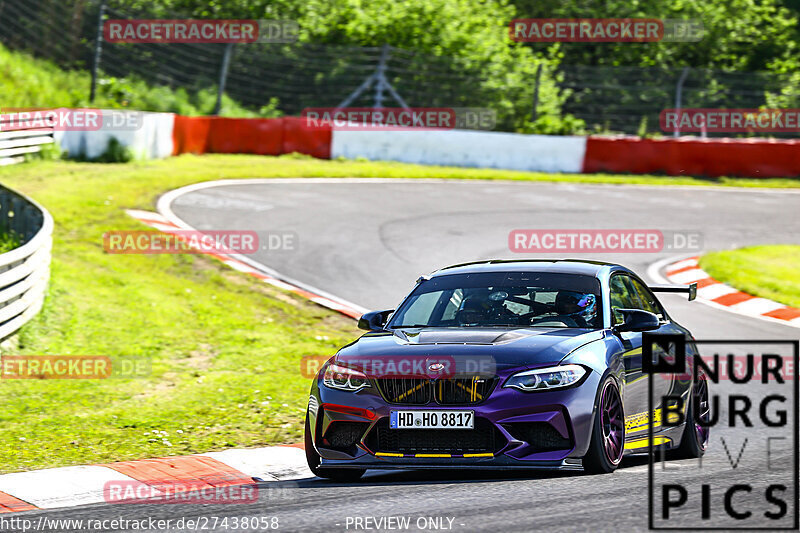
x=608 y=432
x=334 y=474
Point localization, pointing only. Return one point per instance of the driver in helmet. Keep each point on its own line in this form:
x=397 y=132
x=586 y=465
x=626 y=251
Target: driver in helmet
x=575 y=309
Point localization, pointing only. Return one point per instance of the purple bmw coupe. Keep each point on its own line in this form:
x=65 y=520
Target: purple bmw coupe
x=506 y=364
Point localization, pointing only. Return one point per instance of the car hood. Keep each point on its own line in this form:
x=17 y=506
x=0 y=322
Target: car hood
x=507 y=348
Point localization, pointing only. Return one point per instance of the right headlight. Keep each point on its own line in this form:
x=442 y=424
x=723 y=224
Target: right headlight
x=343 y=378
x=541 y=379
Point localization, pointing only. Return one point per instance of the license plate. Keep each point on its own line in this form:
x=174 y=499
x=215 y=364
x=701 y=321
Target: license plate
x=432 y=419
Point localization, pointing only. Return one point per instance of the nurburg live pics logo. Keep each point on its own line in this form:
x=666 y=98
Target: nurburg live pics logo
x=749 y=474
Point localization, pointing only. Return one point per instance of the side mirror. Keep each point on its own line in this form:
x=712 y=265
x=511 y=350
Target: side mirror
x=636 y=320
x=374 y=320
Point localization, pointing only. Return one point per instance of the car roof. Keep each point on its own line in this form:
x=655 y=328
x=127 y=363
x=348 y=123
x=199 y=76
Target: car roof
x=560 y=266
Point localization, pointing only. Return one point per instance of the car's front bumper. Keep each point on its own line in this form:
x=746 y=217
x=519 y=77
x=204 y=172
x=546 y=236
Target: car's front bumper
x=566 y=414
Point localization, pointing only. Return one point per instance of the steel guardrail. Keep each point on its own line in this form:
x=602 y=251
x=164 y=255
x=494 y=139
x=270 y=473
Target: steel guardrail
x=25 y=270
x=20 y=136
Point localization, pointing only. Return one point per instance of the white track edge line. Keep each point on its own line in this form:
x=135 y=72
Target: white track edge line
x=164 y=208
x=165 y=201
x=484 y=181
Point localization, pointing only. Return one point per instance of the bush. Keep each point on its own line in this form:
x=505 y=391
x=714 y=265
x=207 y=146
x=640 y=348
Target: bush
x=9 y=240
x=115 y=153
x=48 y=152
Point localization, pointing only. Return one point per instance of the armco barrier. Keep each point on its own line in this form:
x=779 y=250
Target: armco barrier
x=151 y=140
x=190 y=135
x=464 y=148
x=692 y=156
x=24 y=271
x=264 y=136
x=686 y=156
x=245 y=136
x=20 y=137
x=298 y=136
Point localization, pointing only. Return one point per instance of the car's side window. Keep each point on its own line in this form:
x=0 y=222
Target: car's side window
x=421 y=311
x=621 y=296
x=647 y=299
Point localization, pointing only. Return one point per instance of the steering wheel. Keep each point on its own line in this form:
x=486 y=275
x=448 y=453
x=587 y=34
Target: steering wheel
x=469 y=316
x=538 y=309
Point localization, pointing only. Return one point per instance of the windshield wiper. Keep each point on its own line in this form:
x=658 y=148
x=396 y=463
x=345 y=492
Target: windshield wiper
x=415 y=326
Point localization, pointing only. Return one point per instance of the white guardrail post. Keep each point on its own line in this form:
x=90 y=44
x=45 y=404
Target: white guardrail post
x=24 y=271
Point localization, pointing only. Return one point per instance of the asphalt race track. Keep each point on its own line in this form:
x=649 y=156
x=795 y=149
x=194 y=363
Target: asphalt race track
x=367 y=241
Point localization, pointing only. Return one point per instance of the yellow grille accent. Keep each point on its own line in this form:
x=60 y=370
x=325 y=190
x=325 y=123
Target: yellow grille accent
x=433 y=455
x=478 y=455
x=472 y=391
x=382 y=454
x=408 y=392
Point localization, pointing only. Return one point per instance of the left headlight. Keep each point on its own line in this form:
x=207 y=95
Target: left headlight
x=540 y=379
x=343 y=378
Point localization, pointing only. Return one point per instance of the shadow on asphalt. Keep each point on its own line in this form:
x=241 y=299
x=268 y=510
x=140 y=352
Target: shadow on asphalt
x=374 y=478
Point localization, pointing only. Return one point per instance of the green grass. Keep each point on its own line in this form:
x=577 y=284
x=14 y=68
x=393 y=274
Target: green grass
x=771 y=271
x=225 y=348
x=29 y=82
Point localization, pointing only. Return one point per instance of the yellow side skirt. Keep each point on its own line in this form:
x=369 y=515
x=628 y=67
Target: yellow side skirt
x=642 y=443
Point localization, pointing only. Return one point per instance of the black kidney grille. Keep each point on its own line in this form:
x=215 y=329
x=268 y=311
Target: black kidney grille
x=467 y=390
x=485 y=438
x=463 y=391
x=410 y=391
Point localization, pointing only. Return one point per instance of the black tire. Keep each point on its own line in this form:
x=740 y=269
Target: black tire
x=694 y=443
x=597 y=460
x=335 y=474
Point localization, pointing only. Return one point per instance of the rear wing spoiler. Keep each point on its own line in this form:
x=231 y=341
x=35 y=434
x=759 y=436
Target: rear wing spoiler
x=690 y=289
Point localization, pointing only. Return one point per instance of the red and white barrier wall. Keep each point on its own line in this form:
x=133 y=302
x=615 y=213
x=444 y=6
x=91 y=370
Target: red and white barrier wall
x=151 y=138
x=265 y=136
x=463 y=148
x=164 y=134
x=692 y=156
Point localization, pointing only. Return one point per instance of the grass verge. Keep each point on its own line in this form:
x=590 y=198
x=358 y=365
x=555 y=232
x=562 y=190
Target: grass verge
x=225 y=348
x=771 y=271
x=30 y=82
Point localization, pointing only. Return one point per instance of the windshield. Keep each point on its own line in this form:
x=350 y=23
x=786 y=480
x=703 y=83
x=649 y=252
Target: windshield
x=503 y=299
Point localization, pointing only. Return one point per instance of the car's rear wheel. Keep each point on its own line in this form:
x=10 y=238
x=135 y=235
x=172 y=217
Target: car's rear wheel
x=313 y=459
x=608 y=432
x=694 y=440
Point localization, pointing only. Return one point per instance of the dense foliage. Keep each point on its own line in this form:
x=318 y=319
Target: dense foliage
x=472 y=37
